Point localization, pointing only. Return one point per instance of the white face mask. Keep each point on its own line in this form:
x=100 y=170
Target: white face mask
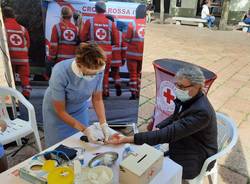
x=88 y=77
x=79 y=74
x=182 y=95
x=76 y=70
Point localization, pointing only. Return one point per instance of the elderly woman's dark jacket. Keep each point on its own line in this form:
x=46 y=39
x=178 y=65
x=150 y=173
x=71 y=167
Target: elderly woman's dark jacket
x=191 y=133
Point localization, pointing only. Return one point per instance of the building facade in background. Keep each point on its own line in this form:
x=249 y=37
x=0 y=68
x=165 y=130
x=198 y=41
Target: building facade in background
x=192 y=8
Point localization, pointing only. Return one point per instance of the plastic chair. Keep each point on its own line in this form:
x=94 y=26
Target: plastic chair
x=227 y=138
x=17 y=128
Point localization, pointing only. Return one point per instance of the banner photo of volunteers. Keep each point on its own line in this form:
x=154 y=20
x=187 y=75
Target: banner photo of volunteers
x=118 y=28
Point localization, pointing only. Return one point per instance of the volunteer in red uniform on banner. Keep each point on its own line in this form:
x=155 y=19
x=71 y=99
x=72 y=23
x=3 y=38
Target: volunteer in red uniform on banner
x=64 y=38
x=102 y=31
x=118 y=57
x=78 y=20
x=135 y=39
x=18 y=43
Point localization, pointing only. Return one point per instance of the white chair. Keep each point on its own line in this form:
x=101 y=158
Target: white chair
x=227 y=138
x=17 y=128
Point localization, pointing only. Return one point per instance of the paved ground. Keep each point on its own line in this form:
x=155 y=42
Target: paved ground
x=225 y=53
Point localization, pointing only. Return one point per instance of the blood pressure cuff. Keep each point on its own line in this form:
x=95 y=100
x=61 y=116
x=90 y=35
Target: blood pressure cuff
x=70 y=152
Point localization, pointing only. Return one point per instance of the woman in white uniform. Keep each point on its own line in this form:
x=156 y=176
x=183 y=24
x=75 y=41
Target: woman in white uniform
x=72 y=85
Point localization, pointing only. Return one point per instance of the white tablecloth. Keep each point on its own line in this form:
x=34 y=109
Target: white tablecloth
x=171 y=172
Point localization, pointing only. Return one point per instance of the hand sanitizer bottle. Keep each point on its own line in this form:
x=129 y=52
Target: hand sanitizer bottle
x=127 y=150
x=77 y=172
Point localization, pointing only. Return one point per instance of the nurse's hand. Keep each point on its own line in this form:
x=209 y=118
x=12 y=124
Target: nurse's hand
x=91 y=136
x=106 y=131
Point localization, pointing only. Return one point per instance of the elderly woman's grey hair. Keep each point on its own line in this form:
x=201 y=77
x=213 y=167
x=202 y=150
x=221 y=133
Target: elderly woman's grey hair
x=192 y=74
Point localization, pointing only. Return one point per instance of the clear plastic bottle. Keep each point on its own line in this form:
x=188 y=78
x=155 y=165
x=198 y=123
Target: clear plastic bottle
x=127 y=151
x=77 y=172
x=81 y=159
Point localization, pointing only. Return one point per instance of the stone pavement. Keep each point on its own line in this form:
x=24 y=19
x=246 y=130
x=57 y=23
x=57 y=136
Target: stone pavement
x=225 y=53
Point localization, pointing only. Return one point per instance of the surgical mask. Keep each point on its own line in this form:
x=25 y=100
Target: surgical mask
x=76 y=70
x=182 y=95
x=88 y=77
x=79 y=74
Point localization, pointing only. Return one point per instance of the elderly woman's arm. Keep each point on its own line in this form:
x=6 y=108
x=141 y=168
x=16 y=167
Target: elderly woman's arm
x=175 y=131
x=165 y=122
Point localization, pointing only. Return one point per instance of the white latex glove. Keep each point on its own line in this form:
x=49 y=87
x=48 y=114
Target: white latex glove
x=105 y=130
x=91 y=136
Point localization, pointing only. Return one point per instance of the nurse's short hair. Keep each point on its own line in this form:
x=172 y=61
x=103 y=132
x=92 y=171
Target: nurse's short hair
x=90 y=55
x=193 y=74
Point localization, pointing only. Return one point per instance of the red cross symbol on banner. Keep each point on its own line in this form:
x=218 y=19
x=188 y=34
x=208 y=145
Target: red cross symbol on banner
x=15 y=39
x=69 y=35
x=141 y=32
x=169 y=96
x=101 y=34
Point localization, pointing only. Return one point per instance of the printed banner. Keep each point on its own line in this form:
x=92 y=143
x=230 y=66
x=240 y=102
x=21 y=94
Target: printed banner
x=165 y=95
x=123 y=12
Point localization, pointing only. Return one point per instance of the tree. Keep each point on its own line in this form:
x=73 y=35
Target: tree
x=162 y=12
x=224 y=15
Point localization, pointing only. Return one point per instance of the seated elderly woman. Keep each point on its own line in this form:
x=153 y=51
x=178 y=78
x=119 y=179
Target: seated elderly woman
x=192 y=129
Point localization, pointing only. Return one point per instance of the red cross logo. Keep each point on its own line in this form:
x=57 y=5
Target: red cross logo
x=15 y=39
x=151 y=173
x=69 y=35
x=165 y=97
x=168 y=95
x=141 y=32
x=101 y=33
